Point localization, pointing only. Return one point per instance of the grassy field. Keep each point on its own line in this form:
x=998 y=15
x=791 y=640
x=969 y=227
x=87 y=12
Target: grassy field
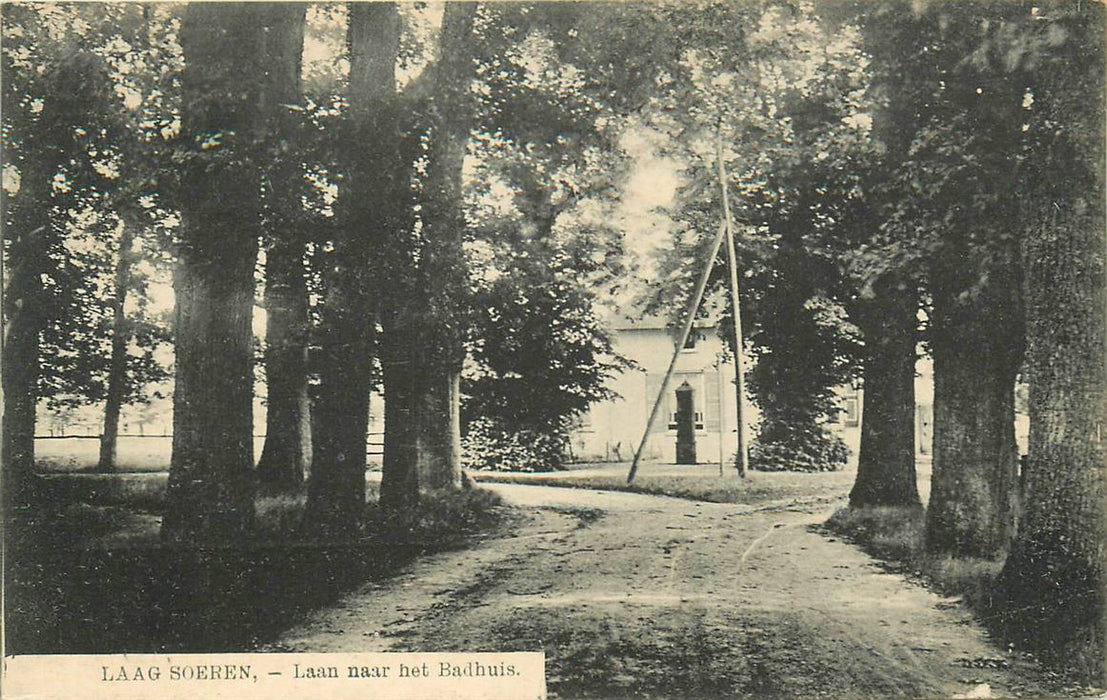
x=143 y=461
x=134 y=454
x=700 y=482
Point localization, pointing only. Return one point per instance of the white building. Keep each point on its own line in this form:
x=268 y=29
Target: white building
x=611 y=430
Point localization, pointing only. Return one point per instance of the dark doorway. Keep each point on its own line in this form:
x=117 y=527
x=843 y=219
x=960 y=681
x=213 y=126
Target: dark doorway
x=685 y=421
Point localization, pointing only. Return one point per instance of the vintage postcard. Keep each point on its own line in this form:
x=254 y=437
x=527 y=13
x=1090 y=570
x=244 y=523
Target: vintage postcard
x=668 y=349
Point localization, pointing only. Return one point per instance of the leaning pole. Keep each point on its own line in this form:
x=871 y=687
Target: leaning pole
x=697 y=296
x=726 y=227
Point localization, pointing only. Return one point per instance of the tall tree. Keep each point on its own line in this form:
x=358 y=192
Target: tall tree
x=1054 y=577
x=369 y=200
x=142 y=239
x=287 y=449
x=425 y=290
x=964 y=157
x=948 y=121
x=58 y=106
x=888 y=320
x=117 y=367
x=886 y=305
x=441 y=351
x=804 y=346
x=540 y=354
x=210 y=494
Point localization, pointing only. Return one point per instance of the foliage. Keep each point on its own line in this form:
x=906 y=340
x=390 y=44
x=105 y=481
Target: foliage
x=546 y=159
x=82 y=68
x=783 y=445
x=499 y=445
x=540 y=355
x=77 y=345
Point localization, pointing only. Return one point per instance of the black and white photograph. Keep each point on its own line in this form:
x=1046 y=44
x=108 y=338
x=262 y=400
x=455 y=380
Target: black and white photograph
x=594 y=349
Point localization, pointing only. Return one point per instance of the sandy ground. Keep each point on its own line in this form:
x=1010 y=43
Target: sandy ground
x=644 y=596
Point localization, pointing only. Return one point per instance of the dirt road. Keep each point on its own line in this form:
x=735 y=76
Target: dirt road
x=643 y=596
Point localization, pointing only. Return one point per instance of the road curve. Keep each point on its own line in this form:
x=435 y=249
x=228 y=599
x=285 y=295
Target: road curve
x=647 y=596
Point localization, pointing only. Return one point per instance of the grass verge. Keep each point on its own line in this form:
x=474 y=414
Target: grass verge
x=758 y=488
x=896 y=535
x=95 y=577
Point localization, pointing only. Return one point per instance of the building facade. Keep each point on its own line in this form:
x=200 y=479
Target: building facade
x=611 y=430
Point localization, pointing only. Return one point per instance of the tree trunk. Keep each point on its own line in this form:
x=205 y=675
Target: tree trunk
x=443 y=260
x=438 y=449
x=29 y=233
x=1055 y=574
x=210 y=493
x=117 y=367
x=287 y=449
x=886 y=464
x=369 y=201
x=977 y=351
x=23 y=322
x=400 y=478
x=336 y=488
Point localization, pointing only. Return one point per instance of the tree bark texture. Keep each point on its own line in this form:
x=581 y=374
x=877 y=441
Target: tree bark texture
x=368 y=201
x=286 y=453
x=886 y=463
x=117 y=366
x=976 y=341
x=439 y=436
x=211 y=478
x=400 y=477
x=33 y=224
x=1055 y=572
x=443 y=260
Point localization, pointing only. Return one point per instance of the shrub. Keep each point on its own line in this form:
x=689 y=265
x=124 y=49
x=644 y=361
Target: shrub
x=488 y=445
x=806 y=450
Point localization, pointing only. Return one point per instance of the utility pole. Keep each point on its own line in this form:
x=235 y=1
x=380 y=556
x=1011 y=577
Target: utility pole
x=722 y=413
x=697 y=296
x=741 y=461
x=726 y=227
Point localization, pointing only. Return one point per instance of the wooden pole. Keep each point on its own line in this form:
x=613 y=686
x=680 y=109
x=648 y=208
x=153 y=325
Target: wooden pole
x=697 y=296
x=741 y=460
x=722 y=415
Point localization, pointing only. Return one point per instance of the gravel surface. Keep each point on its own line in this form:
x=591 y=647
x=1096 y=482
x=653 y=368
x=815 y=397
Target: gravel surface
x=632 y=595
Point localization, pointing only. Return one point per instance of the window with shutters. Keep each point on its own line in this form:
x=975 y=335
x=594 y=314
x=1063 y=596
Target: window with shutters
x=702 y=411
x=653 y=385
x=694 y=337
